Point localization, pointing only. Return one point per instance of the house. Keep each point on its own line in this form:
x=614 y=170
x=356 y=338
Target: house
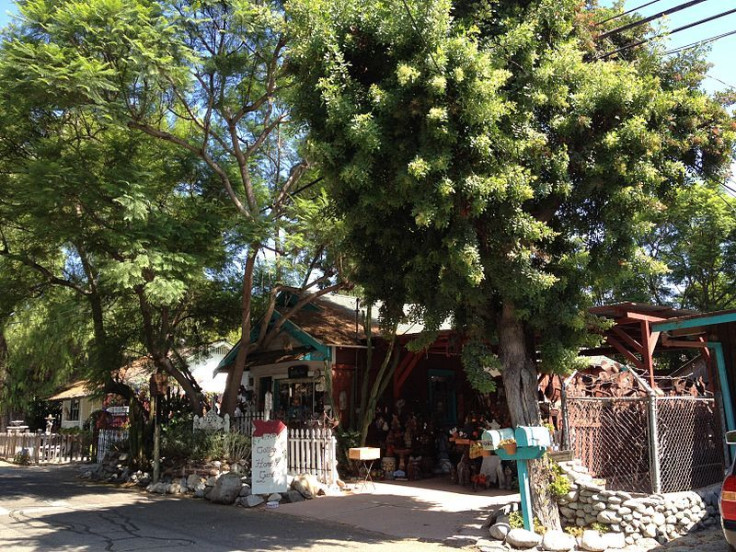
x=82 y=398
x=328 y=337
x=78 y=402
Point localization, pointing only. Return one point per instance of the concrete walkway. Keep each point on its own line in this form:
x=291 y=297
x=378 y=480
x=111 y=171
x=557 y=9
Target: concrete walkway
x=433 y=509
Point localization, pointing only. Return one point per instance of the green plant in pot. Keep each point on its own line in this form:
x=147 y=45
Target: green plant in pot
x=508 y=445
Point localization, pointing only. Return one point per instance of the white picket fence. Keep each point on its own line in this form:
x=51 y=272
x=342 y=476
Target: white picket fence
x=106 y=439
x=310 y=451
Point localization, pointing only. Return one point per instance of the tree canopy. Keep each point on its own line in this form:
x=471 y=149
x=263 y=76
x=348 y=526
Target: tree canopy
x=492 y=165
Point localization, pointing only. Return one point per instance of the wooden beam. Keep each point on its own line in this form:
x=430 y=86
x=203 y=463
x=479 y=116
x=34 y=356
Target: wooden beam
x=624 y=351
x=683 y=344
x=630 y=341
x=645 y=317
x=408 y=369
x=649 y=340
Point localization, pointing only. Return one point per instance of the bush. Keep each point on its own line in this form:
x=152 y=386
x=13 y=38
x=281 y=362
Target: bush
x=23 y=458
x=516 y=520
x=575 y=531
x=560 y=484
x=600 y=527
x=179 y=444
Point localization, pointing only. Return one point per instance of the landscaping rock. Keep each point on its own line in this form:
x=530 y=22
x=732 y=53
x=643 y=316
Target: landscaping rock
x=499 y=530
x=558 y=541
x=521 y=538
x=307 y=484
x=593 y=542
x=252 y=501
x=226 y=490
x=293 y=496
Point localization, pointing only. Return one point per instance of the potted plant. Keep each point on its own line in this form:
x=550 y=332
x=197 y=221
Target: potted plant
x=508 y=445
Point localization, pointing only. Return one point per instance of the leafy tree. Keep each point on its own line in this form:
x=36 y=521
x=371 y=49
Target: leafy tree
x=490 y=168
x=206 y=76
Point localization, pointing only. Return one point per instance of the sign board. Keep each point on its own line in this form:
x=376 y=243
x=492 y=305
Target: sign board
x=300 y=371
x=269 y=460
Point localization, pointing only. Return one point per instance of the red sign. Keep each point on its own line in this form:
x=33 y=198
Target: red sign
x=271 y=427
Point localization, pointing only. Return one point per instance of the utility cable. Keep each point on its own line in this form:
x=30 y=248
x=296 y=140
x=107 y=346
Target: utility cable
x=646 y=20
x=699 y=43
x=666 y=33
x=627 y=12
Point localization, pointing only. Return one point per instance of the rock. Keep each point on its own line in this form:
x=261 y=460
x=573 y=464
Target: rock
x=292 y=496
x=593 y=542
x=521 y=538
x=568 y=513
x=649 y=530
x=499 y=530
x=307 y=484
x=608 y=516
x=252 y=501
x=245 y=490
x=193 y=480
x=175 y=488
x=613 y=540
x=558 y=541
x=211 y=481
x=274 y=497
x=226 y=490
x=199 y=493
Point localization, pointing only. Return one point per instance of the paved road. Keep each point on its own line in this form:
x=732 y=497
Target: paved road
x=49 y=508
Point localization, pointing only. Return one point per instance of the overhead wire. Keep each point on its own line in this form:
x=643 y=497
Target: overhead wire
x=653 y=17
x=668 y=33
x=627 y=12
x=700 y=43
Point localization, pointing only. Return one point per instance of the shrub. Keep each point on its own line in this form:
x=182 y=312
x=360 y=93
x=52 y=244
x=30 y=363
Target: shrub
x=560 y=484
x=600 y=527
x=23 y=458
x=575 y=531
x=516 y=520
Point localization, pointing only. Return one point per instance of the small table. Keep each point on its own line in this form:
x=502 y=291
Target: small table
x=366 y=456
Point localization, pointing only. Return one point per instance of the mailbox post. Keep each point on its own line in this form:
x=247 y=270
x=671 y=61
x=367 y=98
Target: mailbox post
x=531 y=443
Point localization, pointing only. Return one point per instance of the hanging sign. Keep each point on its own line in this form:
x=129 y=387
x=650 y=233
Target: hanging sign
x=269 y=461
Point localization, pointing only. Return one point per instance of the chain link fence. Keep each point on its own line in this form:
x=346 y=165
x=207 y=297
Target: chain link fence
x=611 y=437
x=647 y=444
x=690 y=443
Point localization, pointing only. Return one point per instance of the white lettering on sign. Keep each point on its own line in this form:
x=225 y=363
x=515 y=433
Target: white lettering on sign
x=269 y=463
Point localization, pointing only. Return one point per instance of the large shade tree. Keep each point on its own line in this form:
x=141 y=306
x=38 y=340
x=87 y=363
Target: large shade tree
x=493 y=168
x=206 y=76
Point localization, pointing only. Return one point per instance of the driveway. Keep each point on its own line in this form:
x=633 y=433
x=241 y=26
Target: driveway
x=49 y=508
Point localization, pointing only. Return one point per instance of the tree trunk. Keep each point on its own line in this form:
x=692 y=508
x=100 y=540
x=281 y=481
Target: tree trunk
x=235 y=375
x=194 y=394
x=520 y=384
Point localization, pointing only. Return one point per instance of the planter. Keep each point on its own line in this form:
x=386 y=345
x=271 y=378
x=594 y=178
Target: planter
x=509 y=448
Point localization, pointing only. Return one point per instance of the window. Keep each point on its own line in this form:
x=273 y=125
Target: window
x=74 y=410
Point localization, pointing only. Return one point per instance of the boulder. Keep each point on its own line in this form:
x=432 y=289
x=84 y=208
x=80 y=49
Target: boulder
x=307 y=484
x=558 y=541
x=521 y=538
x=245 y=490
x=293 y=496
x=593 y=542
x=613 y=540
x=193 y=480
x=226 y=490
x=252 y=501
x=274 y=497
x=499 y=530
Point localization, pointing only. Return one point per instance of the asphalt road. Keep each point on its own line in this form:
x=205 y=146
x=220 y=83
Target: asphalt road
x=50 y=509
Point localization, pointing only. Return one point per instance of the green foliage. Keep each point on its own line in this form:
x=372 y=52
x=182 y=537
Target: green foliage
x=479 y=363
x=600 y=527
x=22 y=458
x=346 y=439
x=574 y=530
x=484 y=160
x=516 y=520
x=559 y=485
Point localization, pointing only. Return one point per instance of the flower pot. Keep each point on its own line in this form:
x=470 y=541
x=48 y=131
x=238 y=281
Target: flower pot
x=510 y=448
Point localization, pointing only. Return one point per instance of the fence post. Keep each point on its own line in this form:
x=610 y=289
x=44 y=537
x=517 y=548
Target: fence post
x=566 y=442
x=654 y=444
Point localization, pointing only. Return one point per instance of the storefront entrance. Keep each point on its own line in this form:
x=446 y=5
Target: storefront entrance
x=442 y=398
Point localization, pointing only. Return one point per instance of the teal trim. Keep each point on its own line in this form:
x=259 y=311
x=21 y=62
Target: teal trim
x=694 y=322
x=526 y=494
x=303 y=337
x=725 y=388
x=322 y=351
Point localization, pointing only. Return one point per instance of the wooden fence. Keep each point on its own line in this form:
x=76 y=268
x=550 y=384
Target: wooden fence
x=39 y=448
x=310 y=451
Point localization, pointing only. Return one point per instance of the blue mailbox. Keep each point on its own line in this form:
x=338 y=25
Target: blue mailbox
x=532 y=436
x=491 y=437
x=531 y=442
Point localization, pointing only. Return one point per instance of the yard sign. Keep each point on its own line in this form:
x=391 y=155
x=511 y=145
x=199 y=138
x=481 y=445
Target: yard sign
x=269 y=457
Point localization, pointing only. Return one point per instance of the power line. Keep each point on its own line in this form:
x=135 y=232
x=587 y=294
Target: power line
x=699 y=43
x=667 y=33
x=646 y=20
x=618 y=16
